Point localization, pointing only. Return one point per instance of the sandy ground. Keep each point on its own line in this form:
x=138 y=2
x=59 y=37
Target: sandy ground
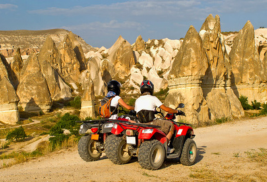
x=221 y=157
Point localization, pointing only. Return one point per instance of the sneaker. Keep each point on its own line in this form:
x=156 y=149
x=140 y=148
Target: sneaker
x=170 y=150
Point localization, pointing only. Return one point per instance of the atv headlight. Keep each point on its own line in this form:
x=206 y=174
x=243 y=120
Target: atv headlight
x=147 y=131
x=110 y=125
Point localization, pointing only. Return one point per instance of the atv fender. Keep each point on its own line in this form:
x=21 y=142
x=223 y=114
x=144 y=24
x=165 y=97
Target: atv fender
x=147 y=134
x=183 y=131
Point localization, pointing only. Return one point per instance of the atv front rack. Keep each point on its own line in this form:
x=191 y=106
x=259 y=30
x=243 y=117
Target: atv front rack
x=134 y=124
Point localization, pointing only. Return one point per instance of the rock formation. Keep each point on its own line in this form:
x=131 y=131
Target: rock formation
x=78 y=50
x=3 y=69
x=33 y=91
x=88 y=106
x=217 y=77
x=50 y=53
x=16 y=67
x=122 y=57
x=57 y=87
x=247 y=69
x=9 y=113
x=185 y=78
x=70 y=64
x=93 y=66
x=139 y=44
x=8 y=100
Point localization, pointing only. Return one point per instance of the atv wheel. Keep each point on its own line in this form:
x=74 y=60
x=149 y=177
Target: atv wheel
x=116 y=150
x=189 y=153
x=151 y=154
x=87 y=149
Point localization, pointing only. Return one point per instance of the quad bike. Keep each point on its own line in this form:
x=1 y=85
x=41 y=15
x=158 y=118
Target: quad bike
x=149 y=144
x=92 y=143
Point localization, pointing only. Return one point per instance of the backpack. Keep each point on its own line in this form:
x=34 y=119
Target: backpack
x=104 y=108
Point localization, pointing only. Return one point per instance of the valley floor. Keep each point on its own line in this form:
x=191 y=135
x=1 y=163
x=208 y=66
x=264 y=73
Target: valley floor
x=232 y=151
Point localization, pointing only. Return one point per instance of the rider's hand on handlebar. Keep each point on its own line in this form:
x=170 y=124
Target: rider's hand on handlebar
x=180 y=113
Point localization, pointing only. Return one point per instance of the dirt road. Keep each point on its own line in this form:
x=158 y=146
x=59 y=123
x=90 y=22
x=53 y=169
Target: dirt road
x=222 y=156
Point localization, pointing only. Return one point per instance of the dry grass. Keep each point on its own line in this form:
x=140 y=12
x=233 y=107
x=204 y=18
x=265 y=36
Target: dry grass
x=43 y=148
x=258 y=156
x=206 y=174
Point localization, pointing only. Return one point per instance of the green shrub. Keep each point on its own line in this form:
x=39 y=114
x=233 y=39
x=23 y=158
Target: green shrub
x=162 y=92
x=244 y=102
x=221 y=120
x=66 y=122
x=76 y=103
x=256 y=105
x=58 y=140
x=17 y=134
x=132 y=101
x=264 y=109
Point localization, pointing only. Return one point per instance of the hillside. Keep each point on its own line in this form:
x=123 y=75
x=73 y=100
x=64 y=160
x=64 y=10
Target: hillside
x=30 y=41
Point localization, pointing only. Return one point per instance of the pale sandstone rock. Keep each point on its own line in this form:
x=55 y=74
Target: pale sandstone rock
x=136 y=56
x=88 y=105
x=6 y=71
x=136 y=76
x=93 y=54
x=93 y=66
x=16 y=66
x=219 y=104
x=246 y=66
x=185 y=78
x=78 y=50
x=9 y=113
x=158 y=62
x=244 y=57
x=159 y=83
x=146 y=60
x=50 y=53
x=139 y=44
x=101 y=49
x=122 y=57
x=70 y=64
x=33 y=91
x=218 y=74
x=191 y=60
x=3 y=70
x=236 y=107
x=57 y=87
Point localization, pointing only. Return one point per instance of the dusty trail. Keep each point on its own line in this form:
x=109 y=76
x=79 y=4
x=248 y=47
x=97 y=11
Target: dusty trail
x=218 y=147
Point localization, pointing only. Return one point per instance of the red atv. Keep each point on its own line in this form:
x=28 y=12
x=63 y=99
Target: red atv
x=92 y=144
x=149 y=144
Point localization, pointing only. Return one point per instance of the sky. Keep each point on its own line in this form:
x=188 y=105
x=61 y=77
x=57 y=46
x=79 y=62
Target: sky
x=101 y=22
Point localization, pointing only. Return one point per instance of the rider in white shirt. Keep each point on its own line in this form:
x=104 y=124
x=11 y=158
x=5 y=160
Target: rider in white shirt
x=145 y=108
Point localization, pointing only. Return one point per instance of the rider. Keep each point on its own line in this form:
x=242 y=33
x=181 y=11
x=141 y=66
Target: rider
x=114 y=91
x=145 y=108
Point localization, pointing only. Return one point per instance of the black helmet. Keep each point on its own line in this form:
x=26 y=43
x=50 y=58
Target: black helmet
x=114 y=86
x=147 y=86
